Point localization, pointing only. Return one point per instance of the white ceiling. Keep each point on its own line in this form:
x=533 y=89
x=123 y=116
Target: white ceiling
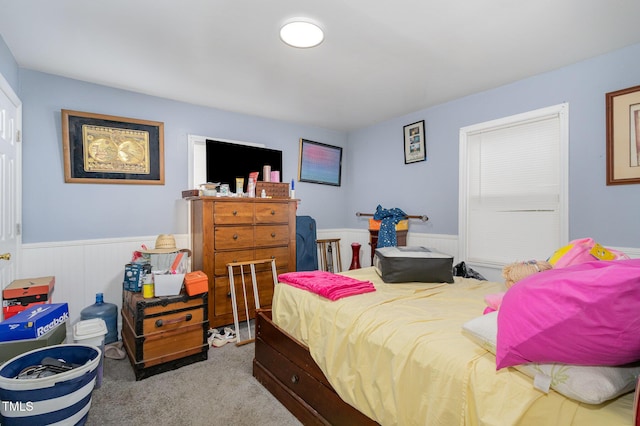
x=380 y=59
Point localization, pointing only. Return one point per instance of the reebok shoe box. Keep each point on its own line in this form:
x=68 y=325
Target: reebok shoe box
x=34 y=322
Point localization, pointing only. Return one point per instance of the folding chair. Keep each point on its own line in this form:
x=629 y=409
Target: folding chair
x=252 y=266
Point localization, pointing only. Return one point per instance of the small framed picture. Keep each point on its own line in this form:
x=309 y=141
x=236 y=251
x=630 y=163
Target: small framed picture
x=623 y=136
x=415 y=147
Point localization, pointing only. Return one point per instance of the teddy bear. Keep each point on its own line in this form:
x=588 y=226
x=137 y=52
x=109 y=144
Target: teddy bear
x=516 y=271
x=513 y=273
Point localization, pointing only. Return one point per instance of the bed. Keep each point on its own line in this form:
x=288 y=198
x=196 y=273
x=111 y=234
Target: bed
x=398 y=356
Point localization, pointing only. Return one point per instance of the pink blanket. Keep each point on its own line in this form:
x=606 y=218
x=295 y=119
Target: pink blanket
x=326 y=284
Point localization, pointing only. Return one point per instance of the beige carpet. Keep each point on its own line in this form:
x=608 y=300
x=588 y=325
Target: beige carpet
x=218 y=391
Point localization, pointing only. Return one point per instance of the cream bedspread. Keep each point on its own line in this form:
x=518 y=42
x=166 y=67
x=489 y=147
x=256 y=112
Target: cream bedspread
x=398 y=355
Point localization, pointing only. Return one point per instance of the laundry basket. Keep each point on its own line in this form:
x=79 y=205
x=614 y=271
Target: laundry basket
x=64 y=397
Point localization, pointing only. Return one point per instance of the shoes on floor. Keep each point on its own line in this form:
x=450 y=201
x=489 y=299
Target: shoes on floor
x=217 y=339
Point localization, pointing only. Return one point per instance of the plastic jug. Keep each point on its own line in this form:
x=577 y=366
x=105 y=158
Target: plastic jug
x=108 y=312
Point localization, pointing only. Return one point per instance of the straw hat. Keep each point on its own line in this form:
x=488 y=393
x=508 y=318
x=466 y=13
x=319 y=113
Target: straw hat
x=165 y=243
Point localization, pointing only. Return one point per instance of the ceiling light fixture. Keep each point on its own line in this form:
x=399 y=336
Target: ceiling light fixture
x=299 y=32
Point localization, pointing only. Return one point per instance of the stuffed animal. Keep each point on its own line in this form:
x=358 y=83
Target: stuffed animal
x=516 y=271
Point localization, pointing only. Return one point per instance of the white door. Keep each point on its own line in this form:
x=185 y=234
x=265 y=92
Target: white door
x=10 y=182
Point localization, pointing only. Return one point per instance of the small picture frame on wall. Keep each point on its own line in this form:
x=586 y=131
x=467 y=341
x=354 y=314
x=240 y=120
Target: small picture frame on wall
x=623 y=136
x=108 y=149
x=415 y=147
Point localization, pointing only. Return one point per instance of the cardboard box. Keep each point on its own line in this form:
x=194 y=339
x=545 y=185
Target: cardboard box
x=196 y=282
x=29 y=287
x=14 y=348
x=133 y=275
x=34 y=322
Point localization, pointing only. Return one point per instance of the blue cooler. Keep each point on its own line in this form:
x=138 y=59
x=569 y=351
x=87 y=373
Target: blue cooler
x=64 y=397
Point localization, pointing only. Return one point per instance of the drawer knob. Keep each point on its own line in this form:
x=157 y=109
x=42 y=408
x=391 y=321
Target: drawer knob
x=229 y=295
x=235 y=212
x=295 y=379
x=235 y=236
x=273 y=235
x=186 y=318
x=273 y=212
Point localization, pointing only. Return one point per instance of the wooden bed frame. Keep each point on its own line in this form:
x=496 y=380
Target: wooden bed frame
x=285 y=368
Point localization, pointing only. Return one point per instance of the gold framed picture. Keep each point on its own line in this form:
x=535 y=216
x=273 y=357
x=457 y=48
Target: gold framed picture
x=108 y=149
x=623 y=136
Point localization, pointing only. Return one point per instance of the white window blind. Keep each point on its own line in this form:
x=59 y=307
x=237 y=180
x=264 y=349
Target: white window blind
x=513 y=187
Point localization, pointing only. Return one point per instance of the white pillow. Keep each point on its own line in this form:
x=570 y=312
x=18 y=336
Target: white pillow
x=591 y=385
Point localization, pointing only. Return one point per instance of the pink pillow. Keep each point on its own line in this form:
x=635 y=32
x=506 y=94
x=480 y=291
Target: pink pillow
x=585 y=314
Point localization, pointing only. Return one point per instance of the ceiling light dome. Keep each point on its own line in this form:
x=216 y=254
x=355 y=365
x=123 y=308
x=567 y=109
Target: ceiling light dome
x=302 y=33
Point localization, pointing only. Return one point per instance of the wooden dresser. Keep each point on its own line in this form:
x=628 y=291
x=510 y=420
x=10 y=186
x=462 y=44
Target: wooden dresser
x=225 y=230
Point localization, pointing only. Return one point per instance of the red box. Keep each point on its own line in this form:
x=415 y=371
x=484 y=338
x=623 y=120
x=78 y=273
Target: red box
x=196 y=282
x=29 y=287
x=11 y=310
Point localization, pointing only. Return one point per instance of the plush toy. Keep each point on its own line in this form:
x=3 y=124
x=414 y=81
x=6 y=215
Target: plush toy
x=516 y=271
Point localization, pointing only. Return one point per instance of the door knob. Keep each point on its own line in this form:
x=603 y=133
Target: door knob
x=5 y=256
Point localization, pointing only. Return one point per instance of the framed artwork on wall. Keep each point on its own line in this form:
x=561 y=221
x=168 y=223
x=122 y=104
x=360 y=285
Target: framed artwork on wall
x=623 y=136
x=319 y=163
x=415 y=147
x=108 y=149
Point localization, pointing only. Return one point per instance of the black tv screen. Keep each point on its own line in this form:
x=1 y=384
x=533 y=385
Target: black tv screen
x=226 y=161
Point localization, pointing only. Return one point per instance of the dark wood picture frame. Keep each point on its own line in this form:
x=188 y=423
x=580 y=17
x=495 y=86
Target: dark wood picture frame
x=319 y=163
x=623 y=136
x=415 y=146
x=101 y=148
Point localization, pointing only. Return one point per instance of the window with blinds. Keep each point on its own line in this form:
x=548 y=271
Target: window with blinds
x=513 y=187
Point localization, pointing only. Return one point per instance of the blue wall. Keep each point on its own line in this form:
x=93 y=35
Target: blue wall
x=8 y=66
x=373 y=165
x=609 y=214
x=57 y=211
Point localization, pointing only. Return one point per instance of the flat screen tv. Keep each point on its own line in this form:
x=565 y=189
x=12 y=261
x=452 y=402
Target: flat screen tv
x=226 y=161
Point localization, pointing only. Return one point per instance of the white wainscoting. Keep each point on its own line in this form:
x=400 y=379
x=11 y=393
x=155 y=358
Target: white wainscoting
x=447 y=244
x=84 y=268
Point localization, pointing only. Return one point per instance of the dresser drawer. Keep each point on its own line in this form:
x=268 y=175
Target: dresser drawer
x=280 y=254
x=221 y=258
x=233 y=237
x=272 y=235
x=222 y=291
x=272 y=213
x=232 y=213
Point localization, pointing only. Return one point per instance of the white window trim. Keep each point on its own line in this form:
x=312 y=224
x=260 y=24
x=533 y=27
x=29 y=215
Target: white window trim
x=560 y=110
